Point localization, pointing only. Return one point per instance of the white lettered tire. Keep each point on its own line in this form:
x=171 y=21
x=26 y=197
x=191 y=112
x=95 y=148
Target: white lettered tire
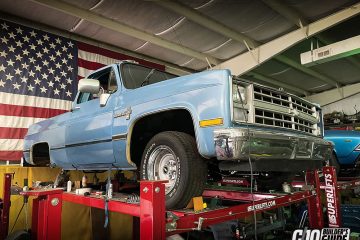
x=173 y=156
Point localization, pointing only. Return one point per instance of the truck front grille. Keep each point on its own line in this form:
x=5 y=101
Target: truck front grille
x=282 y=120
x=276 y=108
x=271 y=97
x=273 y=119
x=293 y=112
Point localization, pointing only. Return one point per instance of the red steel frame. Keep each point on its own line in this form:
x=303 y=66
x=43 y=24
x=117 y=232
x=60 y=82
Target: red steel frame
x=332 y=188
x=154 y=223
x=4 y=212
x=332 y=196
x=46 y=214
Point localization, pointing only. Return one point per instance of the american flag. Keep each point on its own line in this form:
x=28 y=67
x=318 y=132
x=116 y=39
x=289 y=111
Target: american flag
x=38 y=78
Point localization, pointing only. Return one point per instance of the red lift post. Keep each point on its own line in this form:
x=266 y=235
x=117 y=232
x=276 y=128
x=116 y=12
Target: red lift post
x=46 y=213
x=332 y=197
x=156 y=223
x=5 y=206
x=316 y=218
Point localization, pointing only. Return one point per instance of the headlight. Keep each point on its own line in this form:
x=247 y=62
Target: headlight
x=320 y=124
x=239 y=91
x=317 y=114
x=317 y=130
x=240 y=114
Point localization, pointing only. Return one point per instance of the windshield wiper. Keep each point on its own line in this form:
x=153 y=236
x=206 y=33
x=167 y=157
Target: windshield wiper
x=146 y=80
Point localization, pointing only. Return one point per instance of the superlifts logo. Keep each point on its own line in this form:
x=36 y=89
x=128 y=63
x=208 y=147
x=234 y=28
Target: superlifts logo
x=324 y=234
x=332 y=209
x=260 y=206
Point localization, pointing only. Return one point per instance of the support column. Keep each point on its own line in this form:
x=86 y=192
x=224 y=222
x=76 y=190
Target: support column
x=316 y=217
x=152 y=210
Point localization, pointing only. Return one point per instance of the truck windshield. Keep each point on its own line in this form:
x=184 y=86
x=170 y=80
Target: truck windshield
x=135 y=76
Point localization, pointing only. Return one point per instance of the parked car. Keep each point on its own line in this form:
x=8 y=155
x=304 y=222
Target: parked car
x=128 y=116
x=346 y=150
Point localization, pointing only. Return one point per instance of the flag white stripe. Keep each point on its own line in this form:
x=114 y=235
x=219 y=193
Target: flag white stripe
x=18 y=122
x=32 y=101
x=92 y=57
x=11 y=144
x=84 y=72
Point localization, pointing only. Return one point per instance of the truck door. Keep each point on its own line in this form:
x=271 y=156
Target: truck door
x=89 y=132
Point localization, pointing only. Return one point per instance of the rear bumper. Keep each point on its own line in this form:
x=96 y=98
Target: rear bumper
x=244 y=143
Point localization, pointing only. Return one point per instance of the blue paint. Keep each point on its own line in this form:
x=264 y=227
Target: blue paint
x=82 y=138
x=345 y=144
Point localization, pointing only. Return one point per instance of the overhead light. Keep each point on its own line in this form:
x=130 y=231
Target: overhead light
x=331 y=52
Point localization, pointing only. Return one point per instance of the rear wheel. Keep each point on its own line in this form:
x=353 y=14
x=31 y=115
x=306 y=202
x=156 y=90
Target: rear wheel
x=173 y=156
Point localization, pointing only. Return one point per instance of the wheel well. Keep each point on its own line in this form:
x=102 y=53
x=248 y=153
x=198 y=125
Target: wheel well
x=40 y=154
x=144 y=129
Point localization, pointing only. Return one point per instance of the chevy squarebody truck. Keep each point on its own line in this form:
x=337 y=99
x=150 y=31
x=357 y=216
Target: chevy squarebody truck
x=127 y=116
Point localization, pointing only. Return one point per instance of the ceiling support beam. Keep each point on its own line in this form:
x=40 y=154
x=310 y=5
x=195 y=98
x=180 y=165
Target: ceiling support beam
x=277 y=83
x=207 y=22
x=287 y=12
x=309 y=71
x=218 y=27
x=169 y=67
x=125 y=29
x=249 y=60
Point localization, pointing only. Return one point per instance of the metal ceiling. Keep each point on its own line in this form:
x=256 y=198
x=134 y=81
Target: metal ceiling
x=194 y=34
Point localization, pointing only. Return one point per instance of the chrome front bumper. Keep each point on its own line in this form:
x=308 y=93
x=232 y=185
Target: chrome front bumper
x=242 y=143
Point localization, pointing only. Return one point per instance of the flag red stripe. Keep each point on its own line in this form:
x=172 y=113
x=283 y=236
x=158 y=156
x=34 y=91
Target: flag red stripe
x=12 y=133
x=11 y=155
x=115 y=55
x=25 y=111
x=89 y=65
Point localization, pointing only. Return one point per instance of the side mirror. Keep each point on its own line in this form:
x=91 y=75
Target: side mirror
x=89 y=86
x=103 y=99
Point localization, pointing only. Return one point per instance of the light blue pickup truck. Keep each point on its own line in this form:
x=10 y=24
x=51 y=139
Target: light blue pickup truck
x=131 y=117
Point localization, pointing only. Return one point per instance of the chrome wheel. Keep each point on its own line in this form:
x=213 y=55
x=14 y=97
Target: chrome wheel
x=163 y=165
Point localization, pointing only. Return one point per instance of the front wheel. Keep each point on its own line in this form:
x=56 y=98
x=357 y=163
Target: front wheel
x=173 y=156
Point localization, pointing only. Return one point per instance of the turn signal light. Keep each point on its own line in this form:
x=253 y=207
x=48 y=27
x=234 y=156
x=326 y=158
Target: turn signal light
x=211 y=122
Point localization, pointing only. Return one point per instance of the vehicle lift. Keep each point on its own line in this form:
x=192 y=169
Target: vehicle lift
x=152 y=222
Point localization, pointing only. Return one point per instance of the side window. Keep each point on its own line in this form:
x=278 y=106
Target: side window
x=108 y=84
x=135 y=76
x=112 y=85
x=83 y=97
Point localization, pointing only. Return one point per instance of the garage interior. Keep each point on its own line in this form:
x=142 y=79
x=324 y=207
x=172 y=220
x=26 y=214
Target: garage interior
x=309 y=49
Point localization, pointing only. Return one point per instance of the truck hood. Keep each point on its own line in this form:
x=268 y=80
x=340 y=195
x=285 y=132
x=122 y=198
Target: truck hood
x=177 y=85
